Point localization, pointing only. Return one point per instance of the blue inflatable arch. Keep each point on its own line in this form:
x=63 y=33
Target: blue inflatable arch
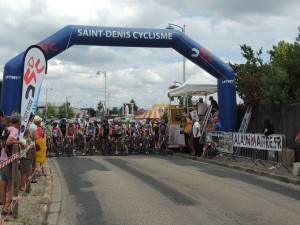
x=130 y=37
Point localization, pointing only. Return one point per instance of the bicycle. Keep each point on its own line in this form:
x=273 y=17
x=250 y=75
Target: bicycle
x=79 y=142
x=106 y=149
x=90 y=145
x=147 y=145
x=164 y=145
x=135 y=145
x=56 y=147
x=68 y=148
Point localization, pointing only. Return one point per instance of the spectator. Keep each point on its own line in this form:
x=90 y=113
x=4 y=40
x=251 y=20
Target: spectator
x=297 y=139
x=100 y=112
x=268 y=129
x=6 y=172
x=201 y=108
x=196 y=135
x=24 y=161
x=214 y=105
x=34 y=136
x=215 y=111
x=217 y=124
x=2 y=140
x=37 y=121
x=187 y=129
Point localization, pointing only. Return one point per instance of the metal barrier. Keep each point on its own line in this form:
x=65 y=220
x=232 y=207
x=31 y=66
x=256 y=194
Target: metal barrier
x=14 y=160
x=259 y=147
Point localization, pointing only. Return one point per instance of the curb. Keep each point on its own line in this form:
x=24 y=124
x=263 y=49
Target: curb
x=47 y=197
x=278 y=177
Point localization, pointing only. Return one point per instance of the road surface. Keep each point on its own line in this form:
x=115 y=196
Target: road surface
x=151 y=190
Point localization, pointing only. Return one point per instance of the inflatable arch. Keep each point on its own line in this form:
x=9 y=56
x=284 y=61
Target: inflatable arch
x=130 y=37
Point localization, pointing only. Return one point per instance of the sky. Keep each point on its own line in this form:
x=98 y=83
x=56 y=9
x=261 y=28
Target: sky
x=142 y=74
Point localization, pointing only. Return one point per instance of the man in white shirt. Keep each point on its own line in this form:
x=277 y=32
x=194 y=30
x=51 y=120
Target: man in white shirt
x=197 y=136
x=201 y=108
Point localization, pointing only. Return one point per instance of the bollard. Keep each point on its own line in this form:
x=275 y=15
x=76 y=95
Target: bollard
x=15 y=182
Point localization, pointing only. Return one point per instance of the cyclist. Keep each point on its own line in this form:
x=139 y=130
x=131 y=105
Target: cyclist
x=90 y=136
x=126 y=134
x=49 y=127
x=148 y=127
x=98 y=141
x=104 y=133
x=70 y=133
x=162 y=131
x=56 y=135
x=119 y=131
x=155 y=127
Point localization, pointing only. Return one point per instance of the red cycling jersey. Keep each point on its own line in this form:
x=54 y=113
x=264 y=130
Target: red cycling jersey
x=70 y=130
x=55 y=132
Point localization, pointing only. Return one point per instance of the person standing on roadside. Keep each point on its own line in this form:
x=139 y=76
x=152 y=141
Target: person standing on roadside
x=201 y=108
x=214 y=105
x=40 y=160
x=297 y=138
x=6 y=172
x=3 y=136
x=268 y=129
x=34 y=136
x=196 y=135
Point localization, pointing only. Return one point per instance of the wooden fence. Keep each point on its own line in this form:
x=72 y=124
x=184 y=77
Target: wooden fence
x=285 y=119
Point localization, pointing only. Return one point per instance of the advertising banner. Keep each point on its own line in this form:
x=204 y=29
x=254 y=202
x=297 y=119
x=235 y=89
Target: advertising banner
x=223 y=140
x=34 y=71
x=194 y=115
x=128 y=110
x=272 y=142
x=41 y=154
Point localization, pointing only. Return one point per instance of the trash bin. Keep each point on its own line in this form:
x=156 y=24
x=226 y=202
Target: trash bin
x=296 y=169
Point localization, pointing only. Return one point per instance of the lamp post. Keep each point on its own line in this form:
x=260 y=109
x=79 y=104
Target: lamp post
x=107 y=103
x=104 y=72
x=170 y=26
x=46 y=113
x=67 y=104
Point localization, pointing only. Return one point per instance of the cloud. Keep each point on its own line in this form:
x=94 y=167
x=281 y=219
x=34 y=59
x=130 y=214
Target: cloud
x=143 y=74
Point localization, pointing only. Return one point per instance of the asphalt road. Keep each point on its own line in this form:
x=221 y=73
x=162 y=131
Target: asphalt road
x=149 y=190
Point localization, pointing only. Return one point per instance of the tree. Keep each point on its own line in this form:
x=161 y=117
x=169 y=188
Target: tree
x=276 y=82
x=285 y=56
x=65 y=111
x=52 y=111
x=165 y=115
x=115 y=110
x=248 y=76
x=135 y=107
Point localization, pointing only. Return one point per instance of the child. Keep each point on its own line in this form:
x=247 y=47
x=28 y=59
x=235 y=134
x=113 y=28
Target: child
x=24 y=162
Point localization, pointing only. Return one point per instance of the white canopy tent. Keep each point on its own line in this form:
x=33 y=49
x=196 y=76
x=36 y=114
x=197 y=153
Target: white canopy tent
x=197 y=84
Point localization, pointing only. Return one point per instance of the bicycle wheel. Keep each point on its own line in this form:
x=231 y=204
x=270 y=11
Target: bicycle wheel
x=55 y=149
x=91 y=149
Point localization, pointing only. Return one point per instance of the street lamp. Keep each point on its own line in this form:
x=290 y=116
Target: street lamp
x=104 y=72
x=170 y=26
x=107 y=103
x=46 y=113
x=177 y=82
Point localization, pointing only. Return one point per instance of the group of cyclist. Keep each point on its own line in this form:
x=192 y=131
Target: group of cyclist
x=112 y=137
